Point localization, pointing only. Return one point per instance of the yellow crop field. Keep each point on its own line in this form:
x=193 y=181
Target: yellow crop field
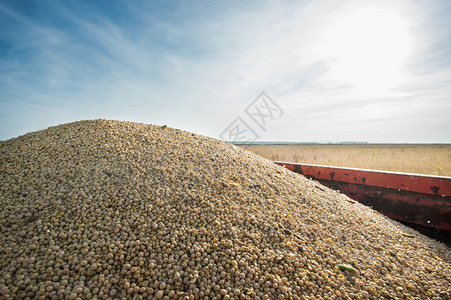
x=421 y=159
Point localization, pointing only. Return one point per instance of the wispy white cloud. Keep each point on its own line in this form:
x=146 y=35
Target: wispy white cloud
x=197 y=66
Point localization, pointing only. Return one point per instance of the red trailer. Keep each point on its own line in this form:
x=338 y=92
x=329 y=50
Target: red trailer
x=412 y=198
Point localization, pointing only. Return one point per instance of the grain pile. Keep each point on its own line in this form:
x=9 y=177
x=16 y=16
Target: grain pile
x=107 y=209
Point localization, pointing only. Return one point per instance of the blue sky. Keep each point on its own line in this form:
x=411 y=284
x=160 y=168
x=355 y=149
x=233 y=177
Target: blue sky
x=341 y=70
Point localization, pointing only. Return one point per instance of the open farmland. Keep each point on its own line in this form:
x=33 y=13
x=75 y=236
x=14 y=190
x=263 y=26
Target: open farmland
x=421 y=159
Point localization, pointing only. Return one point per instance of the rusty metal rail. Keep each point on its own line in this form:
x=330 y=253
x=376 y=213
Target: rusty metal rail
x=413 y=198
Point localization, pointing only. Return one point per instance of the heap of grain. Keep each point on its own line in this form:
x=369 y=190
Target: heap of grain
x=107 y=209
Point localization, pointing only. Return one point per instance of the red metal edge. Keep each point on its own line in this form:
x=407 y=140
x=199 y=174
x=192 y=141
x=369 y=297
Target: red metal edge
x=423 y=209
x=425 y=184
x=414 y=198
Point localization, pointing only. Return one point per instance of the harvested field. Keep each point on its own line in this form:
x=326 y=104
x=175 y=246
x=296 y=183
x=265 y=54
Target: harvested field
x=421 y=159
x=108 y=209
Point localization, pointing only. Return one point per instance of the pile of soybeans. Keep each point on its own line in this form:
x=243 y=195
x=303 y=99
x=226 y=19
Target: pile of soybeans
x=110 y=210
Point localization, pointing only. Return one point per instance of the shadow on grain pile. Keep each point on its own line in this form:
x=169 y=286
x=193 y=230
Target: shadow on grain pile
x=109 y=209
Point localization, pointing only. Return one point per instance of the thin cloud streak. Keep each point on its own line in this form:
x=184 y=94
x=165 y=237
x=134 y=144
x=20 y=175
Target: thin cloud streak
x=198 y=67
